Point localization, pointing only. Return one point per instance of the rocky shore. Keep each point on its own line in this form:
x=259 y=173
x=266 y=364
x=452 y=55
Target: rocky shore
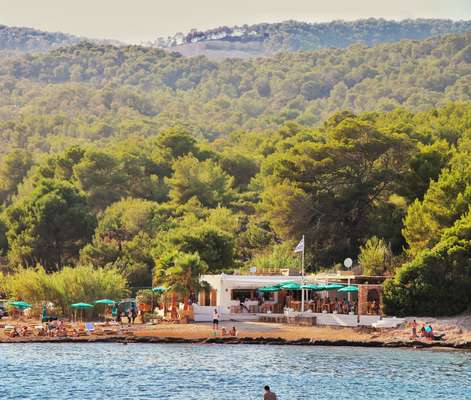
x=416 y=344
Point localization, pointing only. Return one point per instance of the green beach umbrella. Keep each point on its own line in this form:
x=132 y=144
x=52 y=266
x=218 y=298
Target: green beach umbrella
x=268 y=289
x=291 y=286
x=20 y=304
x=349 y=289
x=333 y=286
x=316 y=288
x=81 y=306
x=106 y=302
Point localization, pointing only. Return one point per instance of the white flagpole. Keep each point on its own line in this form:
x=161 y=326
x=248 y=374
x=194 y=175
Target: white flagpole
x=302 y=274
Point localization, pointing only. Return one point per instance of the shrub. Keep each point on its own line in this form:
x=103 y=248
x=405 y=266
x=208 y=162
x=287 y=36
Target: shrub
x=437 y=281
x=68 y=286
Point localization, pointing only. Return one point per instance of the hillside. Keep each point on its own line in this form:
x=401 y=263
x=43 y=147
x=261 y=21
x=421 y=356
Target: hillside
x=30 y=40
x=267 y=39
x=94 y=92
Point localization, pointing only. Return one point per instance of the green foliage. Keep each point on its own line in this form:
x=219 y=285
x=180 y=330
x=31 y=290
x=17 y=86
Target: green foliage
x=177 y=141
x=280 y=256
x=180 y=272
x=28 y=39
x=3 y=236
x=187 y=165
x=65 y=287
x=13 y=168
x=375 y=257
x=329 y=190
x=214 y=246
x=445 y=201
x=204 y=180
x=50 y=226
x=437 y=281
x=264 y=39
x=147 y=296
x=97 y=93
x=124 y=236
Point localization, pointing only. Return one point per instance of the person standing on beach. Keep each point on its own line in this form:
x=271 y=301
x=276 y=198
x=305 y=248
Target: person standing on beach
x=269 y=395
x=215 y=320
x=414 y=328
x=129 y=316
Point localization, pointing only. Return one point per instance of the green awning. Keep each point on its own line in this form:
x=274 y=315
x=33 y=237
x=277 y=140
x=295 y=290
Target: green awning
x=349 y=289
x=107 y=302
x=81 y=305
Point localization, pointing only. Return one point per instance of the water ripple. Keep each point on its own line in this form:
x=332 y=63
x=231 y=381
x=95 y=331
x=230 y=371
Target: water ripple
x=177 y=372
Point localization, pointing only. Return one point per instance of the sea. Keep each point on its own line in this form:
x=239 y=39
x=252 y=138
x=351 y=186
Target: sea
x=85 y=371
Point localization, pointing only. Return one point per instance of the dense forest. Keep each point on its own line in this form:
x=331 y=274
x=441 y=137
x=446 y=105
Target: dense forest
x=152 y=168
x=267 y=39
x=99 y=93
x=396 y=182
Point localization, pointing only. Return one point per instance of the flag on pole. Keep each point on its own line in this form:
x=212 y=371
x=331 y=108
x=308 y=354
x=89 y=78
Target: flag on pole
x=300 y=247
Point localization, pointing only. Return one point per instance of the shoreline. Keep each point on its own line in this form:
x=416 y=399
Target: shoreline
x=262 y=333
x=268 y=341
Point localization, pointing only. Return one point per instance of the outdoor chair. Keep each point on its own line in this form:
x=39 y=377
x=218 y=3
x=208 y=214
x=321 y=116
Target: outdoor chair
x=90 y=328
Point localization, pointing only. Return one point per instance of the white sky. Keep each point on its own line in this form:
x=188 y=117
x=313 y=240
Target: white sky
x=142 y=20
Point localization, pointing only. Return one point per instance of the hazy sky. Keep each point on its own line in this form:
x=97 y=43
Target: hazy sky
x=141 y=20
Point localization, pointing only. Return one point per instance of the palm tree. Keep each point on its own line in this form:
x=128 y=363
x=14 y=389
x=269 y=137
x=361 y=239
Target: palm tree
x=180 y=273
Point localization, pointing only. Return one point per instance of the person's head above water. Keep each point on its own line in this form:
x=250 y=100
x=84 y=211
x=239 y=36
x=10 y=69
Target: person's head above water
x=267 y=388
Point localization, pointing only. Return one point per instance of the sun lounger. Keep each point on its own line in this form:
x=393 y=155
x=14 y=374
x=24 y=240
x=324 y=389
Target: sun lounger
x=8 y=328
x=90 y=328
x=108 y=330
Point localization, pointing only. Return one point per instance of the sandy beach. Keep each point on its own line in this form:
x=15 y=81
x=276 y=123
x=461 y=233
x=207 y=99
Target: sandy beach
x=457 y=334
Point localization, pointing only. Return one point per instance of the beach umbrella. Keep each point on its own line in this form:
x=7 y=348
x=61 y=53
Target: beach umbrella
x=349 y=289
x=22 y=305
x=279 y=285
x=106 y=302
x=81 y=307
x=268 y=289
x=291 y=286
x=316 y=288
x=333 y=286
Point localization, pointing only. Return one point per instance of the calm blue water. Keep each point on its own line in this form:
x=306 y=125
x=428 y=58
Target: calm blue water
x=146 y=371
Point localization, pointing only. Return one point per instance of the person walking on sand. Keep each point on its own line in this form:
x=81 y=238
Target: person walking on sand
x=215 y=320
x=269 y=395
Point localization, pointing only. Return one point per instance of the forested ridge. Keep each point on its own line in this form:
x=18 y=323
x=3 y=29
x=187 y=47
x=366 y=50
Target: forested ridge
x=97 y=93
x=160 y=167
x=269 y=38
x=21 y=39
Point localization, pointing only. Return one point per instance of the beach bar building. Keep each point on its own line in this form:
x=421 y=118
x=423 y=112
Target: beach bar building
x=238 y=297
